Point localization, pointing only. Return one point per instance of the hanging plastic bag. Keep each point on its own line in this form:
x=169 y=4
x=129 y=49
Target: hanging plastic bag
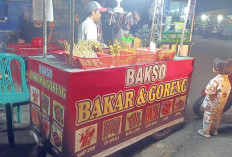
x=37 y=8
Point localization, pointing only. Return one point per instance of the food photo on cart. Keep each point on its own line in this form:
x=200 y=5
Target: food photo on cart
x=105 y=83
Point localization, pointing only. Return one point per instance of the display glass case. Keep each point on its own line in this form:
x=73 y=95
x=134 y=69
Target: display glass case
x=170 y=16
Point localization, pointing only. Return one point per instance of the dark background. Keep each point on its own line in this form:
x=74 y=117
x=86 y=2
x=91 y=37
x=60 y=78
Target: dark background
x=202 y=5
x=209 y=5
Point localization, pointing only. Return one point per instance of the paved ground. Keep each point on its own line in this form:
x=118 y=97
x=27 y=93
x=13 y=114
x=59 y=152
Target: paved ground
x=184 y=142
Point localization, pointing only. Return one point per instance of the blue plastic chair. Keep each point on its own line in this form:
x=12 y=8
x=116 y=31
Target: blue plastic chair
x=9 y=97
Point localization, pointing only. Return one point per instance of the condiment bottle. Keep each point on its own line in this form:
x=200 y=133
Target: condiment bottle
x=136 y=43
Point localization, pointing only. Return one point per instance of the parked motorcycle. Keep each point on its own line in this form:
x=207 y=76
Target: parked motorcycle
x=197 y=106
x=208 y=32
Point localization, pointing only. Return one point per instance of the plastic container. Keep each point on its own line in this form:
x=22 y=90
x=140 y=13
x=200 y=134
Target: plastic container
x=102 y=61
x=125 y=58
x=54 y=46
x=59 y=54
x=25 y=52
x=14 y=47
x=152 y=46
x=167 y=56
x=146 y=56
x=127 y=42
x=136 y=43
x=58 y=51
x=37 y=42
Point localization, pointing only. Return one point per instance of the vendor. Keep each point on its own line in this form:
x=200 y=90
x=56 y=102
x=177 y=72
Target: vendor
x=35 y=29
x=80 y=15
x=88 y=29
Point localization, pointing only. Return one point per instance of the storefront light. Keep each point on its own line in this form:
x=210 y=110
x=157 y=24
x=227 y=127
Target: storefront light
x=220 y=18
x=204 y=17
x=186 y=10
x=118 y=8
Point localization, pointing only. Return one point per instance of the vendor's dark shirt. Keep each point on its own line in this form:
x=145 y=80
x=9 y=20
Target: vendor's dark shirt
x=22 y=22
x=29 y=31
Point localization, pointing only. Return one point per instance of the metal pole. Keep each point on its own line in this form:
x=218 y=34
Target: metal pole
x=185 y=23
x=153 y=22
x=72 y=12
x=44 y=29
x=194 y=7
x=191 y=33
x=161 y=20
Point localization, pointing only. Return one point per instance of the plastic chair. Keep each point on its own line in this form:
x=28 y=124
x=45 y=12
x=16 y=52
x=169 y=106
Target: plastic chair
x=9 y=97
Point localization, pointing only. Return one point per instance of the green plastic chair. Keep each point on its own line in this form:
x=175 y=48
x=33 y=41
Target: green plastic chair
x=9 y=97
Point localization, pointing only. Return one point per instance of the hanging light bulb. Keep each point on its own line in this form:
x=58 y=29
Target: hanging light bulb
x=118 y=8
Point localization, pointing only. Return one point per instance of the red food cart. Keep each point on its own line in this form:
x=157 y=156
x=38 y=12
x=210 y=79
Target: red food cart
x=97 y=112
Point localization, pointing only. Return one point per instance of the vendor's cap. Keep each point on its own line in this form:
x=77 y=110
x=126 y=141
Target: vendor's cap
x=93 y=5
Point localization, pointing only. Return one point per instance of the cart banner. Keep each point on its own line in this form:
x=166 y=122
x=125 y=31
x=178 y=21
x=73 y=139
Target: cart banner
x=109 y=108
x=97 y=112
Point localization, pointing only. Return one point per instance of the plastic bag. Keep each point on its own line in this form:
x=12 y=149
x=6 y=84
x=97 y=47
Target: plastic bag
x=37 y=8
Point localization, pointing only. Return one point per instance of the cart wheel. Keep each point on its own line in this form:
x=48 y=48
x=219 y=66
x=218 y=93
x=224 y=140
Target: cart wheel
x=162 y=133
x=197 y=108
x=199 y=111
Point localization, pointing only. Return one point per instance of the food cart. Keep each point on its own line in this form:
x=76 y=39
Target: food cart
x=89 y=112
x=97 y=111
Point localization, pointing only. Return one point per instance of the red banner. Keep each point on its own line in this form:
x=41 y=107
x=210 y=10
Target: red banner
x=97 y=112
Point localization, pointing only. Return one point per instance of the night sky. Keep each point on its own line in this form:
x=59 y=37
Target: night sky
x=209 y=5
x=202 y=5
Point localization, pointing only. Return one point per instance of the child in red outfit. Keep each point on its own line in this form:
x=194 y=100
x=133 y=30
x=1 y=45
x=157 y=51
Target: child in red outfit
x=217 y=92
